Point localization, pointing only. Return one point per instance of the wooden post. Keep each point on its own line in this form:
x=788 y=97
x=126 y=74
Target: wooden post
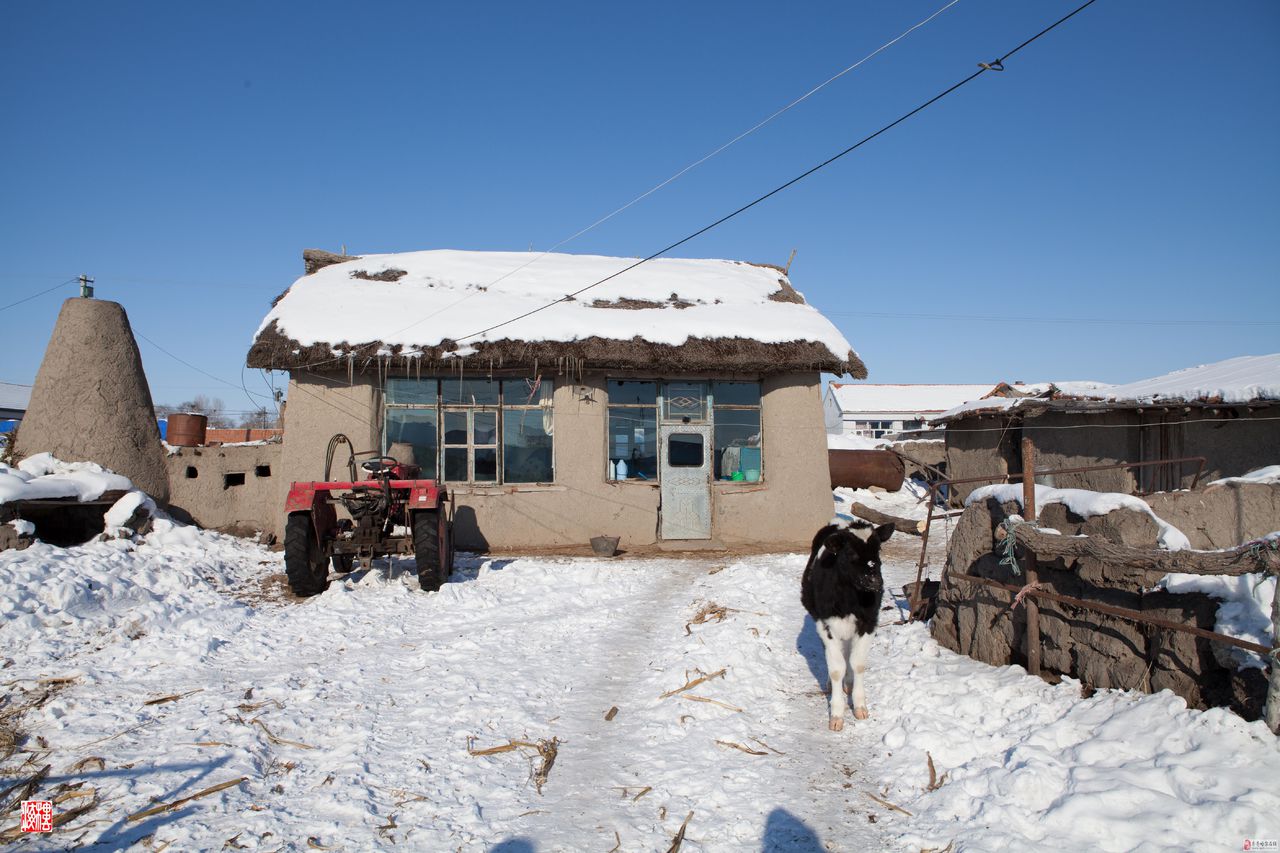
x=1029 y=561
x=1272 y=712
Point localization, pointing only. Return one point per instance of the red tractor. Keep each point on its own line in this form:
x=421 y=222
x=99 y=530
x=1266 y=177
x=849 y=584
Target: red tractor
x=391 y=511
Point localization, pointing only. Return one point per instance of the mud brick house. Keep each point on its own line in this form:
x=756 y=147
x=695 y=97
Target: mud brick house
x=1227 y=412
x=675 y=405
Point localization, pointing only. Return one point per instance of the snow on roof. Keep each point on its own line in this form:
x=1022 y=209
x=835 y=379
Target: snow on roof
x=1004 y=397
x=1236 y=380
x=907 y=398
x=421 y=303
x=14 y=396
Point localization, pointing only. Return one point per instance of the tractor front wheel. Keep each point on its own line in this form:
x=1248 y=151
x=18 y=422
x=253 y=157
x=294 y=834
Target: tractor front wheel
x=431 y=548
x=305 y=563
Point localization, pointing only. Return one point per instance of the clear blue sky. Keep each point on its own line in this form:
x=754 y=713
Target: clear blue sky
x=1123 y=167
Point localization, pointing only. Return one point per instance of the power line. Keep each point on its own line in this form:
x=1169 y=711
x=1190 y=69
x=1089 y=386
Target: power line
x=995 y=65
x=695 y=164
x=192 y=366
x=1110 y=321
x=41 y=293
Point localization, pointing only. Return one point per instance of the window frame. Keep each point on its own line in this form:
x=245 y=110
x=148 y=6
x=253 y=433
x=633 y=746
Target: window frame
x=499 y=408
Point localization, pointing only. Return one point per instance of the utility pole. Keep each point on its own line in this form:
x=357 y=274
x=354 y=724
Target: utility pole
x=86 y=287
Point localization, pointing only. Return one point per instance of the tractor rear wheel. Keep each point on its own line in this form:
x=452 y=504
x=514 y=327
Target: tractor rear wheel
x=304 y=562
x=429 y=535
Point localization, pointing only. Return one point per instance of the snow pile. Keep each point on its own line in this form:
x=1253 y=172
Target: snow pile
x=464 y=292
x=911 y=501
x=1236 y=380
x=1245 y=611
x=45 y=476
x=1268 y=476
x=1087 y=504
x=171 y=583
x=1031 y=766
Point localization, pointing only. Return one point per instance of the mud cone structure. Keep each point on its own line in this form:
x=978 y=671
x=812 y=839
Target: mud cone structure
x=91 y=401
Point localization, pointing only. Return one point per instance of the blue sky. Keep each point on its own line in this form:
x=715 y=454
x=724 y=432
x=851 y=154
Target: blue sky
x=1122 y=170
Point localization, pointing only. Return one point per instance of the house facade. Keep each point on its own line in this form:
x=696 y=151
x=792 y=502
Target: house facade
x=677 y=406
x=871 y=410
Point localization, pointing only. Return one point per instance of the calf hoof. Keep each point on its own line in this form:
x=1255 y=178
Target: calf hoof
x=837 y=724
x=861 y=713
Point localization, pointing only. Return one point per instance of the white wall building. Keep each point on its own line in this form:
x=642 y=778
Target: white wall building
x=872 y=410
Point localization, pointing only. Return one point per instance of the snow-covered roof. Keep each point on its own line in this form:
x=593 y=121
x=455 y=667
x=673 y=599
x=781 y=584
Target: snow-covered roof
x=14 y=396
x=1249 y=378
x=668 y=312
x=906 y=398
x=1236 y=380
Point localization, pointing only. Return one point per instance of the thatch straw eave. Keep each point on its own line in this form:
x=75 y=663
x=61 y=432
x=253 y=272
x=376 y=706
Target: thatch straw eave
x=275 y=350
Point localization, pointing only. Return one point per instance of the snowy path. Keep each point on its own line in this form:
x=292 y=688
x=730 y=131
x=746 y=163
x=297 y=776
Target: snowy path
x=349 y=716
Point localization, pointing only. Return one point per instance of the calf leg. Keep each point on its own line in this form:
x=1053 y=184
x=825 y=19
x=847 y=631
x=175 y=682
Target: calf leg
x=861 y=646
x=835 y=672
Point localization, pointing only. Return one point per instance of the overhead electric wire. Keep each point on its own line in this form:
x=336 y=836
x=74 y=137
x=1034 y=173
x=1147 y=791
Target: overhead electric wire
x=695 y=164
x=1109 y=321
x=41 y=293
x=994 y=65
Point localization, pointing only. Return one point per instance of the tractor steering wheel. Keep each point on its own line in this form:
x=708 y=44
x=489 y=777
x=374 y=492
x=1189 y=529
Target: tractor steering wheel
x=380 y=463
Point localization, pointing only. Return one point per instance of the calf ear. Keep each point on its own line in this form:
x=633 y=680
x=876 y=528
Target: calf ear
x=883 y=532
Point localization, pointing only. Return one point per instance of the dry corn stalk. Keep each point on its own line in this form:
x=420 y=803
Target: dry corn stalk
x=694 y=682
x=547 y=749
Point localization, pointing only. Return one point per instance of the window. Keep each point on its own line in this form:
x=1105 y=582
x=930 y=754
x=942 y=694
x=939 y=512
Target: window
x=633 y=430
x=684 y=450
x=472 y=430
x=736 y=414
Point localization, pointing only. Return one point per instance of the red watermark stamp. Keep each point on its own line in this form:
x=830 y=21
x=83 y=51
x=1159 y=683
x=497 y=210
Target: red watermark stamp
x=37 y=816
x=1261 y=844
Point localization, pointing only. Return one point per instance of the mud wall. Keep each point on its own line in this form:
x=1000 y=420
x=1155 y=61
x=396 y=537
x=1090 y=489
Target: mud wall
x=781 y=511
x=1100 y=650
x=236 y=490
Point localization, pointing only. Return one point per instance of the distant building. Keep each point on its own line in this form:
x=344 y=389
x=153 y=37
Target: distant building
x=13 y=401
x=872 y=410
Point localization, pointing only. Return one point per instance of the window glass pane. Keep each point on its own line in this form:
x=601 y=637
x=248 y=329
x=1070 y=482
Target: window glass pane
x=737 y=441
x=684 y=450
x=633 y=440
x=736 y=393
x=526 y=447
x=486 y=465
x=414 y=429
x=484 y=427
x=455 y=427
x=629 y=391
x=469 y=392
x=455 y=464
x=420 y=392
x=527 y=392
x=685 y=400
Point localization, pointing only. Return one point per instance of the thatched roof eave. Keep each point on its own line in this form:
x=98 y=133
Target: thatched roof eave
x=274 y=350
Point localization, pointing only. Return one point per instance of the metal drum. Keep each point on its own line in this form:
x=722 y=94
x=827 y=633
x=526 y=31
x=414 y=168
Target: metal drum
x=860 y=469
x=187 y=430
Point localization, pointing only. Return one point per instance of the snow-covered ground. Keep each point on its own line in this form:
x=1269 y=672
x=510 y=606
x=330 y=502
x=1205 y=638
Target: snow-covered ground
x=350 y=715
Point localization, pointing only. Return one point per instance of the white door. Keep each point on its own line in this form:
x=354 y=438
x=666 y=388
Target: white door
x=684 y=470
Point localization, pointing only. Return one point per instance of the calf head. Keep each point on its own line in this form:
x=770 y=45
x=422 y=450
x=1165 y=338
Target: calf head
x=854 y=552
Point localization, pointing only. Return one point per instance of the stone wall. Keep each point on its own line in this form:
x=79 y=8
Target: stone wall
x=1100 y=650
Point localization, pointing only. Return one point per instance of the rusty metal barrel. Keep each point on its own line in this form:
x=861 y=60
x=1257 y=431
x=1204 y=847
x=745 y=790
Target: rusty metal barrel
x=861 y=469
x=186 y=429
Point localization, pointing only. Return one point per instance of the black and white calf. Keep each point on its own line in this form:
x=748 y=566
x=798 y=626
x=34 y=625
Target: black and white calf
x=842 y=588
